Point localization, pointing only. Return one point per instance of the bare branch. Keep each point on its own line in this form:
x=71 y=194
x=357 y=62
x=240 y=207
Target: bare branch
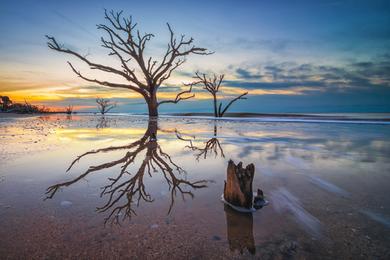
x=179 y=97
x=212 y=85
x=52 y=44
x=106 y=83
x=176 y=48
x=231 y=102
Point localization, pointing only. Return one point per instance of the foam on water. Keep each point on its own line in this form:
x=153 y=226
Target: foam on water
x=330 y=187
x=283 y=200
x=377 y=217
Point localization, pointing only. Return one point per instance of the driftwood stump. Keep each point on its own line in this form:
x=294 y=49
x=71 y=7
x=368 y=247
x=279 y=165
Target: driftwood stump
x=238 y=185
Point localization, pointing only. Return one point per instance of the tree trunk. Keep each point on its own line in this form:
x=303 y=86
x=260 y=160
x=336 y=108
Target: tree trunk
x=153 y=106
x=238 y=185
x=215 y=105
x=152 y=129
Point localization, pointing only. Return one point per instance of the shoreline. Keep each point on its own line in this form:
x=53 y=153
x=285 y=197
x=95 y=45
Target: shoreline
x=315 y=116
x=337 y=117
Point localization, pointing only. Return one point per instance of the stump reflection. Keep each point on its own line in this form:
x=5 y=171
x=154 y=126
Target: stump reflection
x=240 y=230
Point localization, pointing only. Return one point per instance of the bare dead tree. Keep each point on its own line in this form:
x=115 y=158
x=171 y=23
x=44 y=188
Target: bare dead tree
x=69 y=109
x=212 y=85
x=104 y=105
x=126 y=188
x=127 y=43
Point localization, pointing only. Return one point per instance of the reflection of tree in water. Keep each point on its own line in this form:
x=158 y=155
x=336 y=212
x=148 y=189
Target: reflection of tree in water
x=102 y=123
x=105 y=122
x=130 y=187
x=211 y=146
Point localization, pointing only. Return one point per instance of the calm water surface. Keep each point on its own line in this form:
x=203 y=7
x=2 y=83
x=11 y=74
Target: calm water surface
x=87 y=187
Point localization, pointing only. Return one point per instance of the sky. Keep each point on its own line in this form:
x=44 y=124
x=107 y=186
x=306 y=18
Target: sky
x=291 y=56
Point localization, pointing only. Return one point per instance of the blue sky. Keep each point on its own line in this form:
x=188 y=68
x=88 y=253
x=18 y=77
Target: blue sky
x=292 y=56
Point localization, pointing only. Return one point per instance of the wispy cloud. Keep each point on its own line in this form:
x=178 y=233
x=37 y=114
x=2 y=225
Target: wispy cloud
x=74 y=24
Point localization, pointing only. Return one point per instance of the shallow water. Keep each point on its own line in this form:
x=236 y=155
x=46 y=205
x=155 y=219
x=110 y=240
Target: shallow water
x=153 y=189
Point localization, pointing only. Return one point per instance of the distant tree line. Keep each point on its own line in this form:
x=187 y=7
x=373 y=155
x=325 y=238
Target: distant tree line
x=6 y=105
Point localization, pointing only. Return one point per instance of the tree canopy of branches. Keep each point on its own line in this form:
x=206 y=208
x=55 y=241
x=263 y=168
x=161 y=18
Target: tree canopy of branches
x=104 y=105
x=5 y=102
x=128 y=187
x=69 y=109
x=212 y=85
x=128 y=44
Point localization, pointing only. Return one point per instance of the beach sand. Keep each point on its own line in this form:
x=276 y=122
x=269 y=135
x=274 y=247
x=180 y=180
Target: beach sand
x=327 y=185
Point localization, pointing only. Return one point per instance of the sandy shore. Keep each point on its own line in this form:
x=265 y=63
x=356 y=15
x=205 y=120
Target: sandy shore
x=326 y=186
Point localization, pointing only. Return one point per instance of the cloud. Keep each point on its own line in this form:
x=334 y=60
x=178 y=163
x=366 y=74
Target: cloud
x=246 y=74
x=184 y=73
x=269 y=85
x=288 y=75
x=170 y=88
x=273 y=45
x=380 y=69
x=292 y=78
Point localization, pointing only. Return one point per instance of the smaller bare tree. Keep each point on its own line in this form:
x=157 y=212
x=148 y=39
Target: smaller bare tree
x=69 y=109
x=212 y=85
x=104 y=105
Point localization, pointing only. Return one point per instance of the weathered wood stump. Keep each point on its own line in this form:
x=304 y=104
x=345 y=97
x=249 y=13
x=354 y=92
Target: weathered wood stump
x=238 y=185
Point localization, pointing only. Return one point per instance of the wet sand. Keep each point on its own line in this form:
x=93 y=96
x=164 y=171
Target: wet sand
x=327 y=186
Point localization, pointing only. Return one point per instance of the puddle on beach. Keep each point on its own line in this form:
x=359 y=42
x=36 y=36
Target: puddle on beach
x=147 y=189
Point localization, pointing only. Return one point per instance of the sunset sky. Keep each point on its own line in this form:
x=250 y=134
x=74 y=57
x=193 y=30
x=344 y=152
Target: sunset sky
x=291 y=56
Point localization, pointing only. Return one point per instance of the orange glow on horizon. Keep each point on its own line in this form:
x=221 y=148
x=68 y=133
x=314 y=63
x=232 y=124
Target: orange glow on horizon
x=51 y=94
